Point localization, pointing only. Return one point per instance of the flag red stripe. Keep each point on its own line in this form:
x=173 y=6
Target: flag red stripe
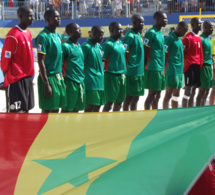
x=15 y=141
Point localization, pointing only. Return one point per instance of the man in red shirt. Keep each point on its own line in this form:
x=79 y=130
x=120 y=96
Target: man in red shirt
x=193 y=61
x=17 y=64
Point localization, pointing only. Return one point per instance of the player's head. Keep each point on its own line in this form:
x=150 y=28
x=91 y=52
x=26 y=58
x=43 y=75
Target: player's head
x=52 y=17
x=25 y=15
x=160 y=18
x=207 y=28
x=138 y=22
x=182 y=28
x=115 y=29
x=89 y=33
x=97 y=33
x=196 y=24
x=73 y=30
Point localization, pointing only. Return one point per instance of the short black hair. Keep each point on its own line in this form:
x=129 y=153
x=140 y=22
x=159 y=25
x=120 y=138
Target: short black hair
x=207 y=23
x=96 y=29
x=112 y=25
x=182 y=24
x=22 y=10
x=194 y=20
x=136 y=17
x=157 y=14
x=48 y=13
x=69 y=27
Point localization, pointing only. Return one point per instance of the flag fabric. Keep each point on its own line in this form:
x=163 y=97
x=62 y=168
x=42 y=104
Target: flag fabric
x=124 y=153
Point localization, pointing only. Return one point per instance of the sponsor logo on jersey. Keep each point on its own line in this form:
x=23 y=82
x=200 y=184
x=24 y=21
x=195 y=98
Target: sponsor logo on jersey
x=125 y=46
x=166 y=47
x=7 y=54
x=39 y=47
x=146 y=41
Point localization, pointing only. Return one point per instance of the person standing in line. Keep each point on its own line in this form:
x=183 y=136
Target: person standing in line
x=73 y=69
x=155 y=60
x=115 y=68
x=193 y=61
x=94 y=73
x=51 y=87
x=17 y=64
x=133 y=44
x=175 y=65
x=206 y=72
x=212 y=95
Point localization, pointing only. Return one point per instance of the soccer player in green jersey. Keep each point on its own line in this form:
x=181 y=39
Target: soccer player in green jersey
x=133 y=44
x=113 y=54
x=51 y=87
x=212 y=95
x=73 y=68
x=175 y=65
x=206 y=73
x=155 y=63
x=94 y=73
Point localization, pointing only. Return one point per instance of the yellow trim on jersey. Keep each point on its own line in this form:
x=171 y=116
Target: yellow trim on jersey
x=41 y=52
x=146 y=45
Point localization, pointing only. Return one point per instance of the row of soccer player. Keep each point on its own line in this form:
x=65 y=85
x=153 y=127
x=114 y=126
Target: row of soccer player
x=84 y=85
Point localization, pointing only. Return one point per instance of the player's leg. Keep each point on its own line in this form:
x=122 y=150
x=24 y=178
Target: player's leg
x=107 y=106
x=134 y=102
x=150 y=98
x=127 y=103
x=192 y=95
x=212 y=95
x=89 y=108
x=117 y=106
x=167 y=97
x=156 y=100
x=175 y=98
x=205 y=97
x=186 y=97
x=200 y=96
x=96 y=108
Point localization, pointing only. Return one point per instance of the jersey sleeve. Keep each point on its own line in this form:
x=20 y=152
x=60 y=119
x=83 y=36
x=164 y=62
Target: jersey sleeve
x=213 y=45
x=105 y=51
x=186 y=43
x=168 y=43
x=127 y=41
x=8 y=50
x=85 y=50
x=64 y=51
x=41 y=44
x=148 y=38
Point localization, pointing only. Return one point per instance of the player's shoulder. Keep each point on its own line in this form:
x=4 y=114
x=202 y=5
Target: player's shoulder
x=86 y=45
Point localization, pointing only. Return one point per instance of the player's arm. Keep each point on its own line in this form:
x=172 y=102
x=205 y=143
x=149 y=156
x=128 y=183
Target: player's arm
x=85 y=48
x=148 y=39
x=168 y=45
x=186 y=44
x=127 y=41
x=64 y=57
x=105 y=53
x=8 y=50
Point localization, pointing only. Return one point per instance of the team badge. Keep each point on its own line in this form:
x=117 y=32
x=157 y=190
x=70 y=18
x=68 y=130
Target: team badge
x=166 y=47
x=146 y=41
x=39 y=47
x=125 y=46
x=7 y=54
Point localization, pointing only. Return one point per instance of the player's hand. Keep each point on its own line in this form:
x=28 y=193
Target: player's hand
x=47 y=90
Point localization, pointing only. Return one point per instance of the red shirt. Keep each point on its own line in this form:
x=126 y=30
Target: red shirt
x=206 y=183
x=193 y=53
x=17 y=58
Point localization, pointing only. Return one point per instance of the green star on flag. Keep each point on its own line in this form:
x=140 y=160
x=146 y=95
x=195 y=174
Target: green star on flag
x=76 y=166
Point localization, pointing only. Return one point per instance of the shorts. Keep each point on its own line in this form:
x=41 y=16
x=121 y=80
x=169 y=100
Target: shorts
x=119 y=6
x=170 y=4
x=20 y=95
x=202 y=1
x=94 y=97
x=175 y=82
x=58 y=98
x=131 y=7
x=134 y=85
x=82 y=8
x=194 y=3
x=154 y=80
x=76 y=96
x=115 y=87
x=192 y=76
x=180 y=2
x=206 y=75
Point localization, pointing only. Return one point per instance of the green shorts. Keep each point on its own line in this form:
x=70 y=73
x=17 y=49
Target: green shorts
x=174 y=82
x=154 y=80
x=206 y=75
x=115 y=87
x=58 y=98
x=76 y=96
x=134 y=85
x=96 y=98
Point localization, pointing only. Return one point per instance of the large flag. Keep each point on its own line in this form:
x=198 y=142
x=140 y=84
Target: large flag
x=159 y=152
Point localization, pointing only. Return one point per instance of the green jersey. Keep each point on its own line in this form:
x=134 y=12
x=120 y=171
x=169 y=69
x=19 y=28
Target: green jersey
x=207 y=50
x=155 y=41
x=64 y=37
x=133 y=44
x=94 y=73
x=113 y=53
x=73 y=59
x=174 y=46
x=49 y=44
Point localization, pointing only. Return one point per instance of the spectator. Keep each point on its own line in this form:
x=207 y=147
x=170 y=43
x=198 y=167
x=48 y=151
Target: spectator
x=65 y=7
x=10 y=3
x=82 y=7
x=118 y=4
x=179 y=5
x=194 y=4
x=202 y=2
x=113 y=6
